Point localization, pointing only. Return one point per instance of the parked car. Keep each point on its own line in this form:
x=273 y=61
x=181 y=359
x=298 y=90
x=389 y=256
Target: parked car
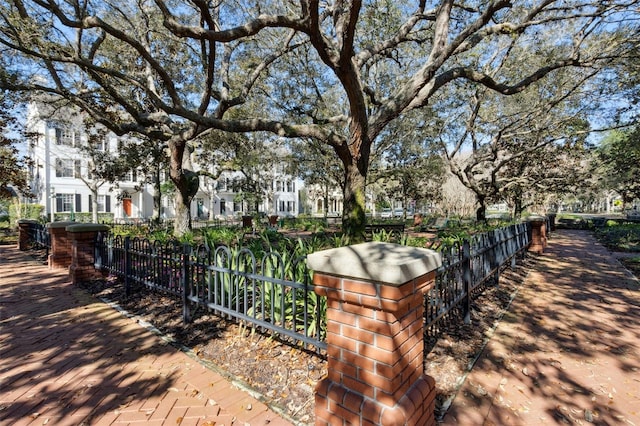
x=398 y=213
x=386 y=213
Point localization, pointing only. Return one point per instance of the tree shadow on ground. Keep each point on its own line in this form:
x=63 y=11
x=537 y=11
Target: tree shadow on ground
x=66 y=357
x=568 y=350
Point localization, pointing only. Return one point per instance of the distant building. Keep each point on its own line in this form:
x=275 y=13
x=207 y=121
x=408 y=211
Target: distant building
x=60 y=172
x=59 y=168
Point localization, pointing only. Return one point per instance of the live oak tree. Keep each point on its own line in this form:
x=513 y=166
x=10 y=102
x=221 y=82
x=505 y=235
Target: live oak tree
x=525 y=147
x=13 y=174
x=618 y=158
x=317 y=165
x=411 y=168
x=258 y=160
x=151 y=159
x=338 y=71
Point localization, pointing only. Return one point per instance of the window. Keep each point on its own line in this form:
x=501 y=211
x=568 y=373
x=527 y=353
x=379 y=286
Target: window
x=65 y=202
x=104 y=203
x=65 y=135
x=130 y=176
x=68 y=168
x=102 y=144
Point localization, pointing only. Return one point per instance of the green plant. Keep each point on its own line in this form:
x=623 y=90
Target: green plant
x=25 y=211
x=284 y=305
x=382 y=236
x=186 y=238
x=225 y=287
x=162 y=235
x=619 y=237
x=214 y=237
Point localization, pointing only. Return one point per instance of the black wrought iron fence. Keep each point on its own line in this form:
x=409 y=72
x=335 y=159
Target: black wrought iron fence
x=39 y=236
x=272 y=293
x=466 y=267
x=151 y=225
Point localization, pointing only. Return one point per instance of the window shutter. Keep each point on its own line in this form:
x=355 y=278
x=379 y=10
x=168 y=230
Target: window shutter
x=76 y=139
x=107 y=203
x=77 y=169
x=90 y=203
x=58 y=202
x=58 y=136
x=58 y=167
x=78 y=207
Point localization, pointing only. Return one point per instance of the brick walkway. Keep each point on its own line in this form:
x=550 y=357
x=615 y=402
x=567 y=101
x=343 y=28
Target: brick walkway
x=568 y=352
x=68 y=359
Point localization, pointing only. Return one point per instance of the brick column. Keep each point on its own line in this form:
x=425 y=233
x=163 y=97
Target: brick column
x=538 y=234
x=375 y=342
x=60 y=255
x=82 y=238
x=24 y=226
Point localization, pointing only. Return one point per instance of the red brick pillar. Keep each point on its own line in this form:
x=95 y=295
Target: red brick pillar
x=24 y=226
x=82 y=238
x=375 y=343
x=60 y=254
x=538 y=234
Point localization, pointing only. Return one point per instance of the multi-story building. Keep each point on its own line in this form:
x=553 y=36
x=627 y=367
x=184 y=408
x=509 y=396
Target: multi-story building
x=62 y=182
x=60 y=171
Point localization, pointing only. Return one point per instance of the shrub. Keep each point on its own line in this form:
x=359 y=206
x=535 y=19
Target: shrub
x=25 y=211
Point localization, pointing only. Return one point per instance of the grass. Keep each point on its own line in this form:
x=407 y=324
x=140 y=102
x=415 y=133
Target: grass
x=619 y=237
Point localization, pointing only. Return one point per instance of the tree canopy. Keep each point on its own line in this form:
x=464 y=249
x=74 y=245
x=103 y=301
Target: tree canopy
x=13 y=174
x=338 y=72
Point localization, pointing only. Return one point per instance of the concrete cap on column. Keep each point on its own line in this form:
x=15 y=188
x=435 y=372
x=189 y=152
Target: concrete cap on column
x=87 y=227
x=389 y=263
x=536 y=218
x=19 y=221
x=51 y=225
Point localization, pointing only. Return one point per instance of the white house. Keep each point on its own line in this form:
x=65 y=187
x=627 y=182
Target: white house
x=60 y=171
x=60 y=177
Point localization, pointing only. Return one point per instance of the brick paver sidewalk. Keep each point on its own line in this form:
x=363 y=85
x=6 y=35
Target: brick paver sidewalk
x=568 y=352
x=68 y=359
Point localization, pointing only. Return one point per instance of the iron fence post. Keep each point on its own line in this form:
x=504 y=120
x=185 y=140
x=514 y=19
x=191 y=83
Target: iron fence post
x=186 y=284
x=127 y=266
x=466 y=276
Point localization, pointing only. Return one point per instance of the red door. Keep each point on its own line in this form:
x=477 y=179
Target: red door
x=126 y=206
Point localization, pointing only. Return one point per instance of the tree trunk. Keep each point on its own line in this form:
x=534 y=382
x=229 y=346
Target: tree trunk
x=481 y=211
x=325 y=195
x=94 y=205
x=517 y=208
x=353 y=215
x=157 y=195
x=186 y=182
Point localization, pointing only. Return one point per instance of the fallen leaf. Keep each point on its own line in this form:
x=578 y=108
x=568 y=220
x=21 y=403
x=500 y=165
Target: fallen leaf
x=588 y=416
